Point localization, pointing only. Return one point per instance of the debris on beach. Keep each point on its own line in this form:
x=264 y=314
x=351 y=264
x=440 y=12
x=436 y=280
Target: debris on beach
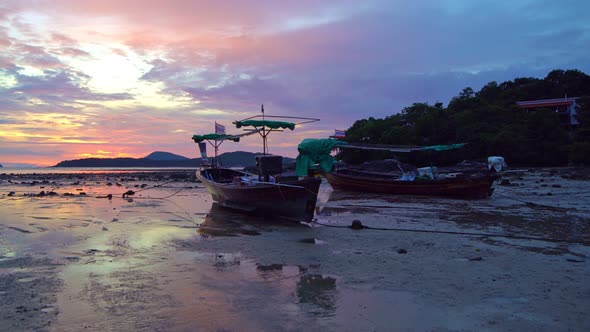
x=357 y=224
x=92 y=251
x=312 y=241
x=128 y=193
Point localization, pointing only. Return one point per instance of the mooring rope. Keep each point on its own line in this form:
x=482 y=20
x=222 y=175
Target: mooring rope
x=518 y=237
x=534 y=204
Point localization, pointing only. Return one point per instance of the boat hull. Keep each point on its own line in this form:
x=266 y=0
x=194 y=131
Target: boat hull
x=468 y=187
x=293 y=199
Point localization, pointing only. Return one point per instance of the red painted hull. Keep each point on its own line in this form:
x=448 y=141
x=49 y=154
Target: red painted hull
x=292 y=198
x=467 y=187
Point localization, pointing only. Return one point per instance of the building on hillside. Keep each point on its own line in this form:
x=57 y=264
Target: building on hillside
x=564 y=107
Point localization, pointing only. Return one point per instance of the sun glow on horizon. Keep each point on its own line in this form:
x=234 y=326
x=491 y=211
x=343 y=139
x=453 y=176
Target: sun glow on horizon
x=82 y=79
x=105 y=154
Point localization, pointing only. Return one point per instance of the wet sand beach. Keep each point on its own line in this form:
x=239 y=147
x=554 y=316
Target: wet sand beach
x=165 y=258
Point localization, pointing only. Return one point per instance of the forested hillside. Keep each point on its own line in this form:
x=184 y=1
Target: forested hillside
x=491 y=123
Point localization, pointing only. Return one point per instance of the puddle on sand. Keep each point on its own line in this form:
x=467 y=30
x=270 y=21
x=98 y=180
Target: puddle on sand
x=240 y=294
x=115 y=284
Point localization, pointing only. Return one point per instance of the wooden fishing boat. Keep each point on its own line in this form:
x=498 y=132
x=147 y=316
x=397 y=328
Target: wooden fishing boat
x=462 y=185
x=269 y=193
x=470 y=184
x=282 y=196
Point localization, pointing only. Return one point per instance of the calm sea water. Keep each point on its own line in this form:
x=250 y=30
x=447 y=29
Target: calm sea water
x=93 y=170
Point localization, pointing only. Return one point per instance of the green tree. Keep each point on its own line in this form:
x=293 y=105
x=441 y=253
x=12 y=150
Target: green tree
x=491 y=123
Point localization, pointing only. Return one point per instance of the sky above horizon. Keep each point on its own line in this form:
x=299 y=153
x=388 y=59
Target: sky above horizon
x=110 y=79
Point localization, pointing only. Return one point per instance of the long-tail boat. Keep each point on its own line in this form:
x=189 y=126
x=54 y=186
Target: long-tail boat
x=270 y=192
x=426 y=181
x=461 y=185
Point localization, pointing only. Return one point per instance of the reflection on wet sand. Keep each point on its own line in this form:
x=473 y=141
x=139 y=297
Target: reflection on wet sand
x=312 y=289
x=500 y=215
x=169 y=259
x=221 y=221
x=318 y=290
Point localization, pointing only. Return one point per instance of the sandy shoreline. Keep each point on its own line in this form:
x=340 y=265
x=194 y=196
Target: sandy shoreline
x=165 y=258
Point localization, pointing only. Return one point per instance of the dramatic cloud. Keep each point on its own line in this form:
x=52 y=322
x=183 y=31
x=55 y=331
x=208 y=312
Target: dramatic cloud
x=125 y=78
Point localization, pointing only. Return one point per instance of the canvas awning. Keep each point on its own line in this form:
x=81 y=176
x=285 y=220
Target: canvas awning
x=265 y=123
x=316 y=151
x=215 y=137
x=443 y=147
x=402 y=148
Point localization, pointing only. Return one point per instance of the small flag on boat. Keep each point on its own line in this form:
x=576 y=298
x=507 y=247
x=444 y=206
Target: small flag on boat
x=219 y=129
x=339 y=133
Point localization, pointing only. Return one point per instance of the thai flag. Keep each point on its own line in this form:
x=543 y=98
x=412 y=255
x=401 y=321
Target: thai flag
x=339 y=133
x=219 y=129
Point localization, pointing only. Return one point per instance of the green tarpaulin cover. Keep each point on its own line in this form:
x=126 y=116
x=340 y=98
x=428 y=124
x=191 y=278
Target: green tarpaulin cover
x=215 y=137
x=316 y=151
x=265 y=123
x=443 y=147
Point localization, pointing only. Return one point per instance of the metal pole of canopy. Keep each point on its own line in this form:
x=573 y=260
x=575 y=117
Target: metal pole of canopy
x=215 y=146
x=264 y=133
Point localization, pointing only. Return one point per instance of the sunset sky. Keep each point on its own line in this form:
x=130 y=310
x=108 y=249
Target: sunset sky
x=83 y=78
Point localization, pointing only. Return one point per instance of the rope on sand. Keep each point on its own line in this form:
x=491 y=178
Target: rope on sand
x=124 y=195
x=358 y=225
x=531 y=203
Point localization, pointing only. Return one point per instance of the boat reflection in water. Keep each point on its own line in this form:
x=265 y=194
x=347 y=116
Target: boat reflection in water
x=222 y=221
x=318 y=290
x=316 y=293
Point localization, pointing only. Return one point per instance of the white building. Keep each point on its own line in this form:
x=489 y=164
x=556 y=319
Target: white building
x=564 y=107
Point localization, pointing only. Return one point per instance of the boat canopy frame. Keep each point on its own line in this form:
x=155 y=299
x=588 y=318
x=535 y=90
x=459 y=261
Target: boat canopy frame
x=217 y=139
x=264 y=127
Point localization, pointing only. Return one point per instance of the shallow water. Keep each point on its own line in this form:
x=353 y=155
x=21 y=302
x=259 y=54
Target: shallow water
x=167 y=258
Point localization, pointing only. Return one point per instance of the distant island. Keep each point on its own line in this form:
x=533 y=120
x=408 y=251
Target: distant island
x=160 y=155
x=167 y=159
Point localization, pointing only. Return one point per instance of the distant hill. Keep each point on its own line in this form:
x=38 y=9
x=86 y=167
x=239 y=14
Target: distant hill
x=128 y=162
x=1 y=165
x=228 y=159
x=160 y=155
x=238 y=159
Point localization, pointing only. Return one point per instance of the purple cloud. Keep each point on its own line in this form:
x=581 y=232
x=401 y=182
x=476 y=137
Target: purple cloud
x=340 y=61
